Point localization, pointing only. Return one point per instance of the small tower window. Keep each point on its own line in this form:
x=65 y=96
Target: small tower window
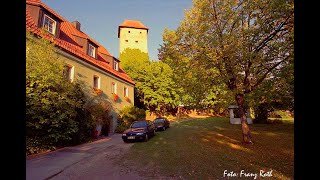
x=126 y=40
x=136 y=41
x=128 y=31
x=140 y=32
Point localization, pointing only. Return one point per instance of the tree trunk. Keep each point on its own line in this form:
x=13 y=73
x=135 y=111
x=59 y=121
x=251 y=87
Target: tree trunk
x=246 y=135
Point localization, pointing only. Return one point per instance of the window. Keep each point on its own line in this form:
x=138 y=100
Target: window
x=69 y=72
x=126 y=91
x=96 y=82
x=159 y=120
x=116 y=65
x=136 y=41
x=128 y=31
x=126 y=40
x=236 y=113
x=139 y=124
x=92 y=51
x=140 y=32
x=114 y=88
x=49 y=24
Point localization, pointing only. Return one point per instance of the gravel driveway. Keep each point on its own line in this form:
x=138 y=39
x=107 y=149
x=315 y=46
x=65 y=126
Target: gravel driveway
x=92 y=161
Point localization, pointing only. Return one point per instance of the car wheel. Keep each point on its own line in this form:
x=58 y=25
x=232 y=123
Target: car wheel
x=146 y=137
x=164 y=128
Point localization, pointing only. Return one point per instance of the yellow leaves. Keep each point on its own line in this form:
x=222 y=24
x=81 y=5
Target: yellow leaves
x=189 y=75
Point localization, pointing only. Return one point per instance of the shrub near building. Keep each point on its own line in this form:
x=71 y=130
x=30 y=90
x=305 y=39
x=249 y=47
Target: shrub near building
x=128 y=115
x=54 y=106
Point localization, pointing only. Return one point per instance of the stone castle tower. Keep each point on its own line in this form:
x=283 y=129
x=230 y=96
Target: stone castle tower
x=133 y=34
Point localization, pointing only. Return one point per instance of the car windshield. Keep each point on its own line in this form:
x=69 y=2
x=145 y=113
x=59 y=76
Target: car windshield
x=139 y=124
x=159 y=120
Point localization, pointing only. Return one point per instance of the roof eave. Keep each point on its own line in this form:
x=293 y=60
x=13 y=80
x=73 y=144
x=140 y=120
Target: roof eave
x=130 y=27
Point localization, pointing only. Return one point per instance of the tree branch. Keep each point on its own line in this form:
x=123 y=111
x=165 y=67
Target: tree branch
x=251 y=88
x=234 y=23
x=272 y=35
x=216 y=18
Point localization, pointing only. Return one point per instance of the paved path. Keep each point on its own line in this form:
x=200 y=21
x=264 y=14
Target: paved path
x=87 y=161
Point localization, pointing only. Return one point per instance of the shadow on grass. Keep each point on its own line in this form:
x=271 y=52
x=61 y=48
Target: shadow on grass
x=203 y=149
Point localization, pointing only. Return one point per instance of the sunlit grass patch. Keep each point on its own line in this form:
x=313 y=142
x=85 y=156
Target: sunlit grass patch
x=204 y=148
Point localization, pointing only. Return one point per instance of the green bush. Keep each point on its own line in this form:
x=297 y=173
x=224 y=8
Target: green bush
x=279 y=114
x=128 y=115
x=120 y=128
x=55 y=113
x=56 y=123
x=100 y=111
x=85 y=126
x=36 y=145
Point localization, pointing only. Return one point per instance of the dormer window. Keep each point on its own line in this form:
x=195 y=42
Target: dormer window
x=49 y=24
x=92 y=51
x=116 y=65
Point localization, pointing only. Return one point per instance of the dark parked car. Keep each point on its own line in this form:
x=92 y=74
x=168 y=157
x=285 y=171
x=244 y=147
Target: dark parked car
x=161 y=123
x=139 y=130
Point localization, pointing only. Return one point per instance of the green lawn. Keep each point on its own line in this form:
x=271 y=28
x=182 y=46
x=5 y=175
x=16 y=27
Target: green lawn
x=205 y=148
x=283 y=119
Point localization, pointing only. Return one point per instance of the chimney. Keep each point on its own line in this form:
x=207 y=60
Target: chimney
x=76 y=24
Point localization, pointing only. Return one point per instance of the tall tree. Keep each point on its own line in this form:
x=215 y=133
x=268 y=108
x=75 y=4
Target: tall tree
x=134 y=61
x=160 y=92
x=154 y=85
x=198 y=89
x=244 y=42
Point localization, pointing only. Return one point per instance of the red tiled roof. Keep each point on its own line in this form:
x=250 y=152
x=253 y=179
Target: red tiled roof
x=67 y=26
x=67 y=42
x=69 y=29
x=39 y=3
x=133 y=24
x=36 y=2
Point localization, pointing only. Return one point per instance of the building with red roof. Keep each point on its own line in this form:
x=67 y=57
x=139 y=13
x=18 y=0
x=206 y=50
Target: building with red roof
x=86 y=59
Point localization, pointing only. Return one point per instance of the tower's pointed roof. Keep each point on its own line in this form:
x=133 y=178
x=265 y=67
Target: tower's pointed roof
x=131 y=24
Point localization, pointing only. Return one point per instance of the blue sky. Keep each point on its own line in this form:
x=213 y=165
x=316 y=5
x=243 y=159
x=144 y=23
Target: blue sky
x=100 y=18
